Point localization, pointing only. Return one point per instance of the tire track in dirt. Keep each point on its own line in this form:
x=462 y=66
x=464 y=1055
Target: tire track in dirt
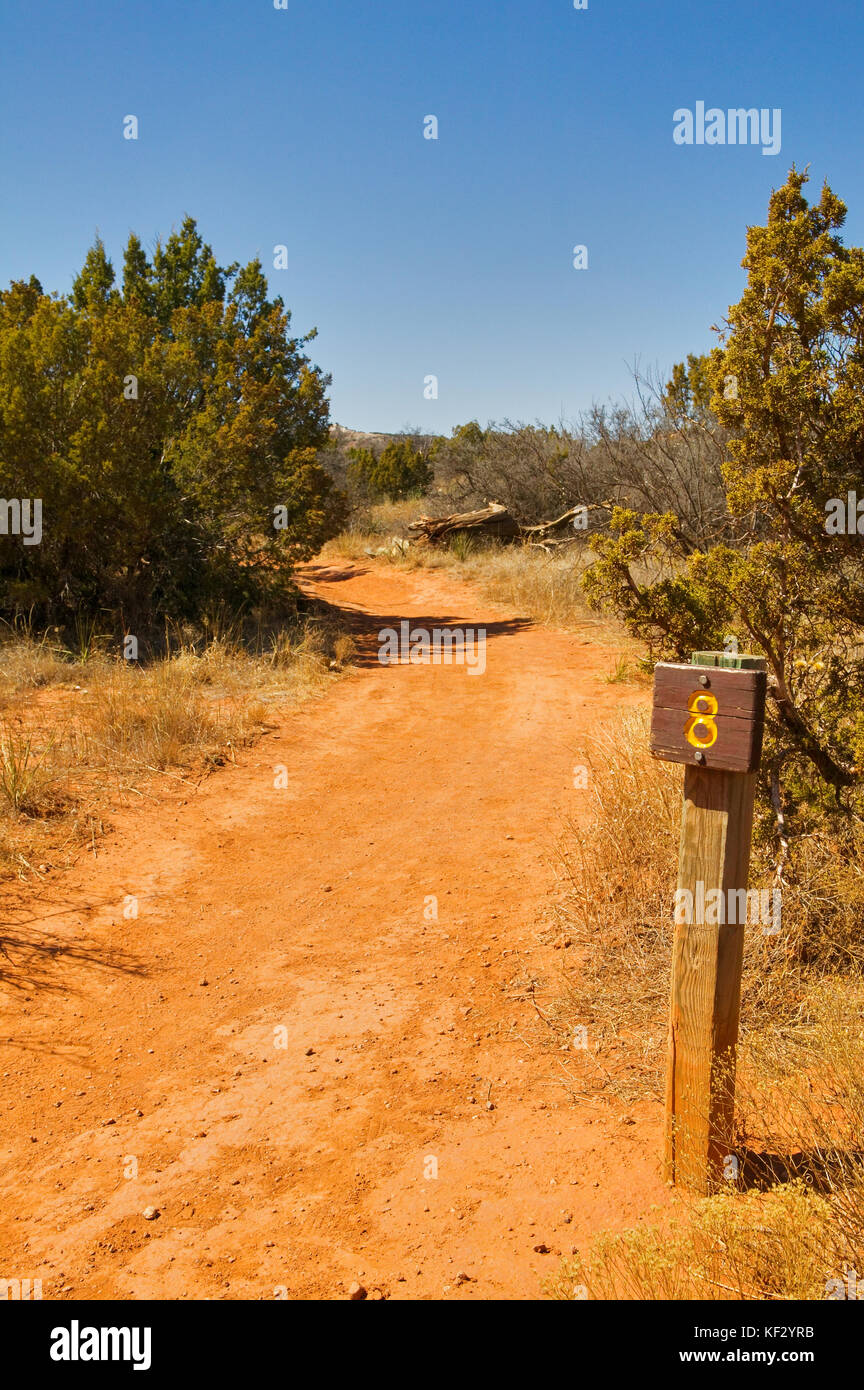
x=281 y=1044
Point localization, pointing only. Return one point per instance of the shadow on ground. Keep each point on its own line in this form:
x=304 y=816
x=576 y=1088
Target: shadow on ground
x=364 y=626
x=825 y=1170
x=34 y=958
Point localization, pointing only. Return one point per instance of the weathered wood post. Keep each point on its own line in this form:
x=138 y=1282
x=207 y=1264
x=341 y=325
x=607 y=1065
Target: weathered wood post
x=710 y=716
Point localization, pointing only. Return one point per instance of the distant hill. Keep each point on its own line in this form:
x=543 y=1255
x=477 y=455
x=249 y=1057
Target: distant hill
x=358 y=439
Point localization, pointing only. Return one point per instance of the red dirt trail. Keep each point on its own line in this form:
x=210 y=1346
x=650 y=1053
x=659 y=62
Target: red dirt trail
x=282 y=1044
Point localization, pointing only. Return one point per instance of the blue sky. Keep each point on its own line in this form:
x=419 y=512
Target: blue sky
x=304 y=127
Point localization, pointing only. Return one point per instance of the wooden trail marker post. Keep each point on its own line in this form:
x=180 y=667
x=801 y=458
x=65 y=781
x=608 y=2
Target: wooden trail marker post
x=710 y=716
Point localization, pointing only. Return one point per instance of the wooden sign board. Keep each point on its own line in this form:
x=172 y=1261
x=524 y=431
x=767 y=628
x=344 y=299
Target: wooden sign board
x=708 y=716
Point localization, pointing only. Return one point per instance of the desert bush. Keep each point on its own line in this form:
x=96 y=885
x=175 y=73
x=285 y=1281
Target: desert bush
x=662 y=452
x=787 y=390
x=536 y=471
x=170 y=430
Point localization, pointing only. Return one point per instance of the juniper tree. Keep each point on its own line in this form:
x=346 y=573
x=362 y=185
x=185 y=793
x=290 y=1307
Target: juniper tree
x=171 y=432
x=787 y=380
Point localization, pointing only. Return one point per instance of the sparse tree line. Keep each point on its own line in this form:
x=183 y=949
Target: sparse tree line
x=665 y=451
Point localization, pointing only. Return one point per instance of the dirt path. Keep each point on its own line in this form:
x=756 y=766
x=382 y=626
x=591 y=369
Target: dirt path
x=286 y=1046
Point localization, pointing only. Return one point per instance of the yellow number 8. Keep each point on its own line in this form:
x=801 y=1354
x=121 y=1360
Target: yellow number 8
x=702 y=708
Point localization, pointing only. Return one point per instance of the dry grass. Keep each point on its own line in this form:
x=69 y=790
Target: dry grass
x=27 y=787
x=30 y=663
x=79 y=729
x=800 y=1086
x=373 y=528
x=151 y=720
x=789 y=1243
x=544 y=586
x=619 y=864
x=790 y=1224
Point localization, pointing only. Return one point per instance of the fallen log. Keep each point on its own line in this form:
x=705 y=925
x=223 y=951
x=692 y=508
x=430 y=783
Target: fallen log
x=575 y=525
x=543 y=528
x=494 y=520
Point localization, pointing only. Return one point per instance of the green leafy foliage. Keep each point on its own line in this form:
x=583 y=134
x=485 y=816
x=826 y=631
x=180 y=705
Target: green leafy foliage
x=170 y=428
x=399 y=470
x=787 y=387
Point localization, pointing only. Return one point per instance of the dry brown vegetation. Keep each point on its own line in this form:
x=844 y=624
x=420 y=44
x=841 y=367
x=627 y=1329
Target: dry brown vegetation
x=793 y=1217
x=80 y=728
x=792 y=1242
x=542 y=585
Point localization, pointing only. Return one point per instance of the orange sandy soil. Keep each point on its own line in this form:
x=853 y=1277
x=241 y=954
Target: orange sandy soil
x=296 y=916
